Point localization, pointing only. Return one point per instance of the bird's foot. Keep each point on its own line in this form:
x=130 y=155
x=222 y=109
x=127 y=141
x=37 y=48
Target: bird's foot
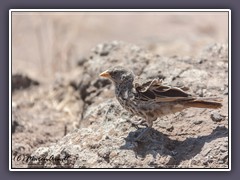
x=138 y=122
x=142 y=134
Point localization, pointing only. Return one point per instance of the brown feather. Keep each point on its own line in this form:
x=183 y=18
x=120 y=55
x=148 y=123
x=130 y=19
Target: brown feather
x=213 y=103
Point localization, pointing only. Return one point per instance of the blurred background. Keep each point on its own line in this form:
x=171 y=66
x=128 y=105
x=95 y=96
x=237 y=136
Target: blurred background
x=47 y=43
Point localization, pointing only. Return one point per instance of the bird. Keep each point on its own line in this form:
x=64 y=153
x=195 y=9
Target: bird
x=151 y=99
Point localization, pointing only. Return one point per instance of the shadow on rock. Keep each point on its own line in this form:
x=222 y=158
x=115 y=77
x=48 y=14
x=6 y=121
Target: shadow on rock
x=22 y=82
x=158 y=143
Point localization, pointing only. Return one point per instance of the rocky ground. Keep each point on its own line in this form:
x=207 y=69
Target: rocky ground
x=76 y=122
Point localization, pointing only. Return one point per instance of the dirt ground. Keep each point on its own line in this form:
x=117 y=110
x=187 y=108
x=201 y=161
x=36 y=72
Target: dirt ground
x=65 y=116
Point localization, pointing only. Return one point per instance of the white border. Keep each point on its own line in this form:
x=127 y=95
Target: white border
x=121 y=10
x=229 y=88
x=118 y=10
x=10 y=91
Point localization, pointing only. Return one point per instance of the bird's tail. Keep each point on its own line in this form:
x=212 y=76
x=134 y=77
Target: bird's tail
x=212 y=103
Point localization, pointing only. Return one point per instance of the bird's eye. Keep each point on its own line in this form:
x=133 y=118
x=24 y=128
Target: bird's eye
x=123 y=77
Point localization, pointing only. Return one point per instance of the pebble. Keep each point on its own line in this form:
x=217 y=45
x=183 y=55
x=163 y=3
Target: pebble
x=216 y=117
x=170 y=129
x=220 y=162
x=197 y=122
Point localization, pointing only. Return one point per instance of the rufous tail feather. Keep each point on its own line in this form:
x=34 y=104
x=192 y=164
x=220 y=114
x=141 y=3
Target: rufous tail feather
x=212 y=103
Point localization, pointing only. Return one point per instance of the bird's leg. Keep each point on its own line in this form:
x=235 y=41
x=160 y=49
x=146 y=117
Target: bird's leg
x=143 y=133
x=137 y=122
x=146 y=130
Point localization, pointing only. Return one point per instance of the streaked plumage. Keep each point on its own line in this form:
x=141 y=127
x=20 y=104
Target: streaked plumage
x=152 y=99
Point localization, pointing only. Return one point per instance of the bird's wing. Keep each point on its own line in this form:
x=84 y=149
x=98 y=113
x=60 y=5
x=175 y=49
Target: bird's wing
x=157 y=91
x=143 y=85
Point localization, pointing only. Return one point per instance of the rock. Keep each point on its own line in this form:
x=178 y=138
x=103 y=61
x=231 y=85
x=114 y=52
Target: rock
x=21 y=82
x=104 y=135
x=217 y=117
x=170 y=129
x=81 y=61
x=17 y=124
x=197 y=122
x=16 y=127
x=105 y=48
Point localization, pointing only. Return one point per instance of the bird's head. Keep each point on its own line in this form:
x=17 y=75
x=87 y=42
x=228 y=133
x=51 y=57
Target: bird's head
x=118 y=74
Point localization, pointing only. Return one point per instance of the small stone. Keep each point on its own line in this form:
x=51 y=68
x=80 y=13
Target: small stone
x=170 y=129
x=197 y=122
x=205 y=163
x=104 y=49
x=20 y=81
x=81 y=61
x=220 y=162
x=201 y=60
x=223 y=149
x=216 y=117
x=113 y=154
x=205 y=152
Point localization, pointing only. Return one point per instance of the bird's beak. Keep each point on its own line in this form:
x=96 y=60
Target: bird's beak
x=105 y=74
